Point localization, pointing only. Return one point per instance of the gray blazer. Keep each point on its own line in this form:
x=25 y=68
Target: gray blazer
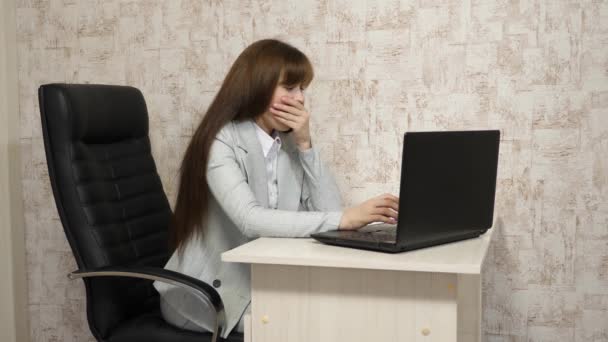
x=308 y=202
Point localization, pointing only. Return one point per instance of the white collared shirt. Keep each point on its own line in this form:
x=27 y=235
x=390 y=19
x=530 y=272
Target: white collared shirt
x=271 y=145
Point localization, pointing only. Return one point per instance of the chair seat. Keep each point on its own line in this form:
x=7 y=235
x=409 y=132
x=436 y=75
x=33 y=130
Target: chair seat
x=151 y=327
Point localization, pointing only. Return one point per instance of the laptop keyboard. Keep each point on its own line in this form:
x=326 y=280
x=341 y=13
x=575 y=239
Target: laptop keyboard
x=387 y=234
x=372 y=233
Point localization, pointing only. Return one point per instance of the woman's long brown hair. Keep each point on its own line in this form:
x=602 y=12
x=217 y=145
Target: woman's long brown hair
x=245 y=93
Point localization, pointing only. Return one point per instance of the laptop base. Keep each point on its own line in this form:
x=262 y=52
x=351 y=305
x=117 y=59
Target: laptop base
x=333 y=238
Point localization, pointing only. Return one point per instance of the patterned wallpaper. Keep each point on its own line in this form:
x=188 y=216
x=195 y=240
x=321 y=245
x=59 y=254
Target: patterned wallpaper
x=536 y=69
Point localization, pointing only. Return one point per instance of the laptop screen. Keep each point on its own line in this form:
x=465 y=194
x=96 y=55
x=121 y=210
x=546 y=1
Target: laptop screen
x=448 y=182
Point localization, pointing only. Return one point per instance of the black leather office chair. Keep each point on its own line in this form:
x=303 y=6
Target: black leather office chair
x=114 y=211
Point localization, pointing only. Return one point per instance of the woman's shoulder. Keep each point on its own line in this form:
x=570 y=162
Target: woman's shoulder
x=235 y=132
x=227 y=133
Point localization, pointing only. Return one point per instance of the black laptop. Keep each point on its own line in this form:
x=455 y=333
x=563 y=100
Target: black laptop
x=448 y=183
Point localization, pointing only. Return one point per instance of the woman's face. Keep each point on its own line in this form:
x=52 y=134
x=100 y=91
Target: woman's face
x=267 y=121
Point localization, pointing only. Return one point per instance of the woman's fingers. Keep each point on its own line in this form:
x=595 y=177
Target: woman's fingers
x=284 y=115
x=288 y=109
x=288 y=113
x=388 y=204
x=390 y=197
x=385 y=203
x=385 y=212
x=288 y=123
x=385 y=208
x=292 y=102
x=380 y=218
x=388 y=200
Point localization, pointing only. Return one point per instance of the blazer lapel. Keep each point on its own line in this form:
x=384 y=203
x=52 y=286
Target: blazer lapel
x=254 y=161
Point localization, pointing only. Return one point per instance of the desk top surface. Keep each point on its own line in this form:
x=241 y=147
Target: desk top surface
x=464 y=257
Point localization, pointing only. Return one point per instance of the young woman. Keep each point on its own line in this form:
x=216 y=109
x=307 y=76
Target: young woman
x=252 y=170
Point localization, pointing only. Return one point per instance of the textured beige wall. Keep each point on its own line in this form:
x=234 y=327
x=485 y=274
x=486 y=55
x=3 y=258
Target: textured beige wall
x=536 y=69
x=13 y=294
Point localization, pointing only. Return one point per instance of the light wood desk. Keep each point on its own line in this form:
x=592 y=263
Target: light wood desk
x=305 y=291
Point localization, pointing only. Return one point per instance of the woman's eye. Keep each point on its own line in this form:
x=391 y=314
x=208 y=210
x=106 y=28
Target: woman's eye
x=293 y=87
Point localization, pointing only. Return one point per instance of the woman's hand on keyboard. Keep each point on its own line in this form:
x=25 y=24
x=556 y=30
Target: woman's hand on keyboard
x=383 y=208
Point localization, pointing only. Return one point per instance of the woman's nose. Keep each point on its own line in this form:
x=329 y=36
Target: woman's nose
x=299 y=95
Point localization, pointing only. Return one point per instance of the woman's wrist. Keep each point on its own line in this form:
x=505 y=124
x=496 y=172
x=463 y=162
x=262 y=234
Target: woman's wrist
x=344 y=221
x=304 y=146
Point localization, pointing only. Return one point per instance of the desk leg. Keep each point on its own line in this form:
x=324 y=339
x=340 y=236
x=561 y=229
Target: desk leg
x=301 y=303
x=469 y=307
x=247 y=332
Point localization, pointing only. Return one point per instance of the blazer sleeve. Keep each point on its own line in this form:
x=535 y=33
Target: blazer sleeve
x=229 y=187
x=319 y=189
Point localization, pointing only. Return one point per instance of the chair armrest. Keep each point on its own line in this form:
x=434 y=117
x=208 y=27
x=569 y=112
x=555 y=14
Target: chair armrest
x=199 y=288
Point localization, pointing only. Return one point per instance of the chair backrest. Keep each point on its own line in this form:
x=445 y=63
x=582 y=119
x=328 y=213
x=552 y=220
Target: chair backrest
x=107 y=190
